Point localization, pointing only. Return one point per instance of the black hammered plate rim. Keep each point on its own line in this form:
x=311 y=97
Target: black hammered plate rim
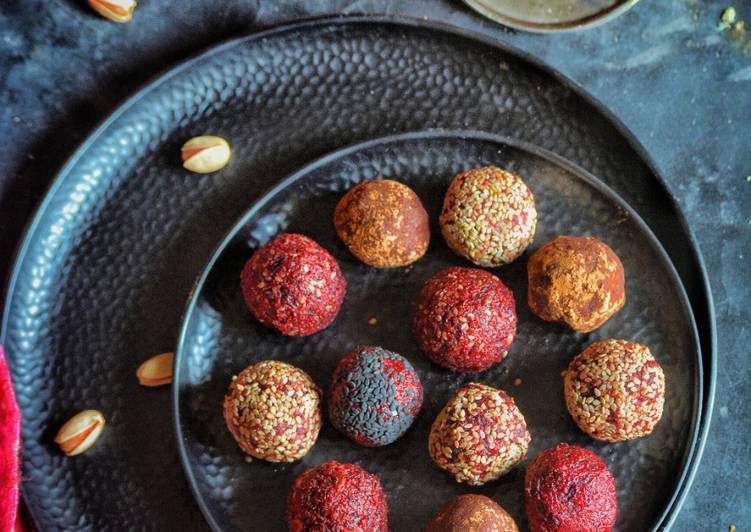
x=685 y=478
x=704 y=303
x=583 y=23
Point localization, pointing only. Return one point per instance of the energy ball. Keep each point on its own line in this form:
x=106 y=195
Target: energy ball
x=615 y=390
x=465 y=319
x=488 y=216
x=577 y=280
x=472 y=512
x=273 y=410
x=383 y=223
x=293 y=285
x=337 y=497
x=569 y=489
x=374 y=396
x=479 y=435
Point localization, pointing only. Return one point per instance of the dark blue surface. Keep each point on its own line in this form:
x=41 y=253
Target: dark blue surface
x=681 y=86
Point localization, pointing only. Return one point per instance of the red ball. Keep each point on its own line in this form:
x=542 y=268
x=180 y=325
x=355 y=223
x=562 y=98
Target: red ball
x=466 y=319
x=337 y=497
x=569 y=489
x=293 y=285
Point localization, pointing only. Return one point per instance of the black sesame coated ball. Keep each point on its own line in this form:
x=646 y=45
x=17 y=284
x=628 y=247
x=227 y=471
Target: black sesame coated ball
x=374 y=397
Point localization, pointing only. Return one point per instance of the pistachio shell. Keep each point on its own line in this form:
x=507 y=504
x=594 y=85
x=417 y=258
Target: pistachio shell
x=116 y=10
x=205 y=154
x=80 y=432
x=156 y=371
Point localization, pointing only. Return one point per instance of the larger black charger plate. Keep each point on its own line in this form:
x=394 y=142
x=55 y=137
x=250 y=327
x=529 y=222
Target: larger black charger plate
x=220 y=338
x=101 y=279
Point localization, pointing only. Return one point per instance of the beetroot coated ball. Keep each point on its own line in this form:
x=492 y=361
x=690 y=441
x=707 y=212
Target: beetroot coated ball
x=569 y=489
x=374 y=397
x=337 y=497
x=465 y=319
x=293 y=285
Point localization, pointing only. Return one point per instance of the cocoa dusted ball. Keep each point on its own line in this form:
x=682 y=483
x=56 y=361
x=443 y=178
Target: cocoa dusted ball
x=472 y=512
x=615 y=390
x=374 y=396
x=488 y=216
x=479 y=435
x=465 y=319
x=576 y=280
x=569 y=489
x=293 y=285
x=337 y=497
x=383 y=223
x=273 y=411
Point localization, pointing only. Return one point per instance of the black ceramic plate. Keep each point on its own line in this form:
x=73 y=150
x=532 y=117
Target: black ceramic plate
x=220 y=338
x=103 y=274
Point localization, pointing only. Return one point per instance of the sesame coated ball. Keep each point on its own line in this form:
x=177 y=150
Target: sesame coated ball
x=293 y=285
x=569 y=489
x=465 y=319
x=576 y=280
x=488 y=216
x=273 y=411
x=337 y=497
x=479 y=435
x=471 y=512
x=374 y=397
x=615 y=390
x=383 y=223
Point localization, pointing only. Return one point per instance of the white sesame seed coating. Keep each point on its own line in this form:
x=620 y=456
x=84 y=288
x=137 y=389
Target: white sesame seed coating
x=488 y=216
x=615 y=390
x=273 y=410
x=479 y=435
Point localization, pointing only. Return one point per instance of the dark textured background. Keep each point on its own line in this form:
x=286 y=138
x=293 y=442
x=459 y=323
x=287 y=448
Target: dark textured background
x=681 y=86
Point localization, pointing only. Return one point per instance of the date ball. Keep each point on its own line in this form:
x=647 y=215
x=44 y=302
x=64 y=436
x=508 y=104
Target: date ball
x=488 y=216
x=337 y=497
x=465 y=319
x=479 y=435
x=293 y=285
x=374 y=397
x=470 y=512
x=273 y=410
x=576 y=280
x=615 y=390
x=569 y=489
x=383 y=223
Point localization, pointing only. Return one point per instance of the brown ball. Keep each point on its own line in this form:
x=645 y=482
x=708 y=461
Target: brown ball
x=615 y=390
x=472 y=512
x=383 y=223
x=273 y=411
x=577 y=280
